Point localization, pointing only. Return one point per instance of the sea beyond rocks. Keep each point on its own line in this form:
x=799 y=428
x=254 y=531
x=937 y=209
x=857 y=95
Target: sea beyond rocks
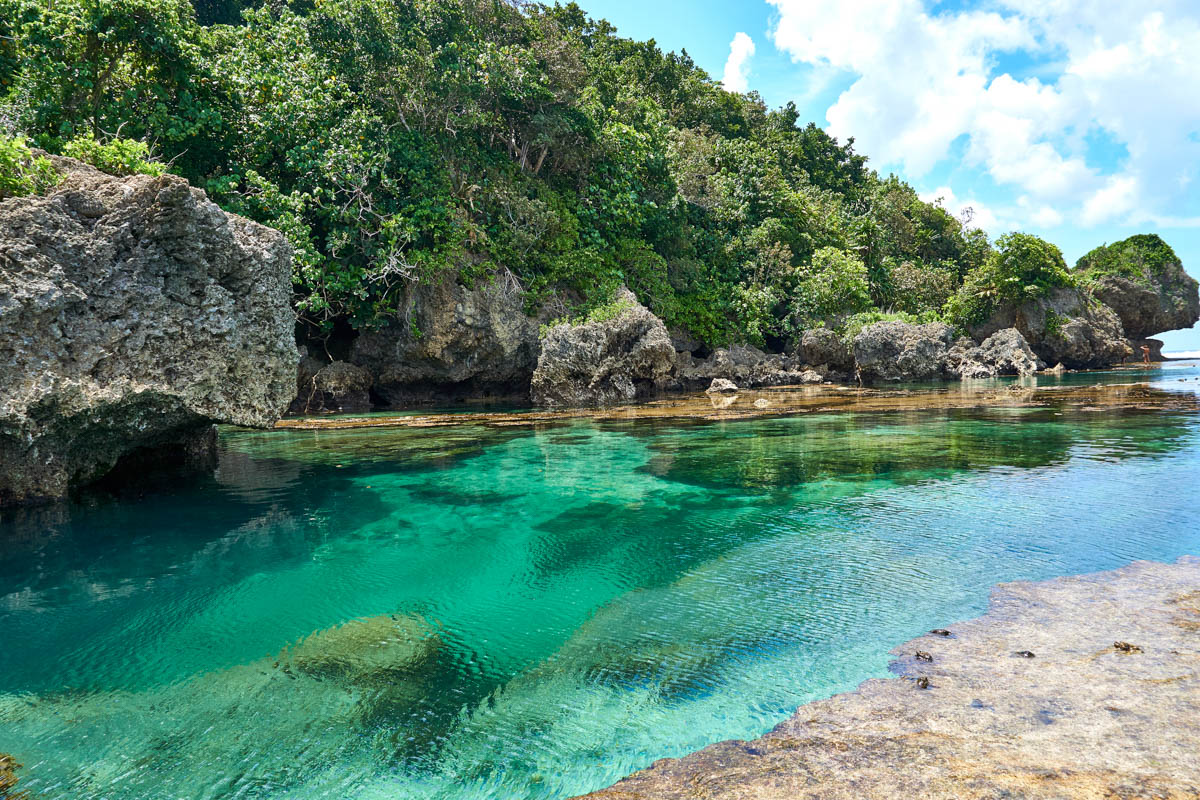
x=1081 y=687
x=135 y=314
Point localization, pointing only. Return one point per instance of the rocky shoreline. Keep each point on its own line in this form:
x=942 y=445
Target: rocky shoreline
x=135 y=314
x=1076 y=687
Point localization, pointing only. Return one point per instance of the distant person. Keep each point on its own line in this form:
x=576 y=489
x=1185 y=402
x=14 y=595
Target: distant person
x=1145 y=354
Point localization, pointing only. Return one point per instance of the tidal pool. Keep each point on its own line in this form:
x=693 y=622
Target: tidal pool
x=481 y=611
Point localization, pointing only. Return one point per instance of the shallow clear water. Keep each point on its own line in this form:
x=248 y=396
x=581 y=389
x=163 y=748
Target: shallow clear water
x=561 y=605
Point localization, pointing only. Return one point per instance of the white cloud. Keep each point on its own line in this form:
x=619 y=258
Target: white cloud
x=737 y=67
x=925 y=82
x=974 y=213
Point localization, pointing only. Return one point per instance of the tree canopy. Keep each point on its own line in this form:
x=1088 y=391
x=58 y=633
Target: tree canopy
x=396 y=141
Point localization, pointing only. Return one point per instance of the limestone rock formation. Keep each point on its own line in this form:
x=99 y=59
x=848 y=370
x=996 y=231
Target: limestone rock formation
x=1068 y=326
x=336 y=386
x=822 y=346
x=1003 y=353
x=599 y=363
x=453 y=342
x=721 y=386
x=1143 y=281
x=134 y=313
x=902 y=351
x=745 y=366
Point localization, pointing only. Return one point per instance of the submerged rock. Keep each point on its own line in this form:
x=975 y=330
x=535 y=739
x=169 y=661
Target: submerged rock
x=374 y=649
x=8 y=778
x=1068 y=326
x=453 y=342
x=134 y=314
x=1084 y=719
x=604 y=362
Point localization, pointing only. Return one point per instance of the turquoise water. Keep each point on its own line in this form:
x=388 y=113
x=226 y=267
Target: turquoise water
x=480 y=612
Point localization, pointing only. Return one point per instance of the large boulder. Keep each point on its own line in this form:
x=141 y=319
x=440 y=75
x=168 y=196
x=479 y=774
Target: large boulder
x=1068 y=326
x=823 y=346
x=901 y=351
x=1143 y=281
x=134 y=314
x=1003 y=353
x=453 y=342
x=744 y=365
x=604 y=362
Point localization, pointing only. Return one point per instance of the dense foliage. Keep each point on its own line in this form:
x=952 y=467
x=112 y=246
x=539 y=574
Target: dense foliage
x=1136 y=258
x=21 y=172
x=1021 y=268
x=396 y=141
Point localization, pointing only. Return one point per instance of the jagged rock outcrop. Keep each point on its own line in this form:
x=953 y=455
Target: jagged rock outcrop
x=134 y=314
x=1143 y=281
x=334 y=386
x=1003 y=353
x=894 y=351
x=822 y=346
x=453 y=342
x=604 y=362
x=744 y=365
x=901 y=351
x=1067 y=326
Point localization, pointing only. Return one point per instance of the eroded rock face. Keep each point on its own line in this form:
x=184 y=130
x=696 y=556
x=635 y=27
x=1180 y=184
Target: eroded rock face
x=134 y=314
x=454 y=342
x=902 y=351
x=1068 y=326
x=823 y=346
x=601 y=363
x=1003 y=353
x=1170 y=303
x=1143 y=281
x=745 y=366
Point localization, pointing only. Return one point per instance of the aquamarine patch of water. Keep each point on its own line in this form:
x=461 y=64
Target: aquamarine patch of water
x=596 y=595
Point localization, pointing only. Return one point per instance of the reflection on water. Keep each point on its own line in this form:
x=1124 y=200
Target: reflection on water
x=493 y=611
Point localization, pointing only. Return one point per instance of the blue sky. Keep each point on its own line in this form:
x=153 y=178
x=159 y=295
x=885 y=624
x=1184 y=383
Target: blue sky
x=1072 y=119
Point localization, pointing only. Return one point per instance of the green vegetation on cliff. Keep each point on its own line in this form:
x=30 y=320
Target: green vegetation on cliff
x=1137 y=258
x=395 y=141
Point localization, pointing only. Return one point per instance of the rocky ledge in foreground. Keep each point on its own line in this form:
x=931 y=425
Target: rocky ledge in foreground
x=1083 y=687
x=134 y=314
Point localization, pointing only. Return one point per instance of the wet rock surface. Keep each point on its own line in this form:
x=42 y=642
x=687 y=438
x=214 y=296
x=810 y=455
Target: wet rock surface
x=1036 y=699
x=134 y=314
x=604 y=362
x=453 y=342
x=1069 y=327
x=1163 y=302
